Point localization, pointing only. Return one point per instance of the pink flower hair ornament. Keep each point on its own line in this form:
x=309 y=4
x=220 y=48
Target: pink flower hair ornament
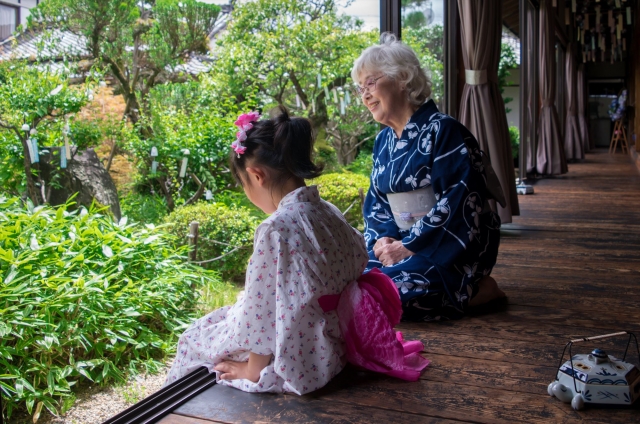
x=244 y=123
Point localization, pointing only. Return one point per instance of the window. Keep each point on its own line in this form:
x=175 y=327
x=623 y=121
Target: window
x=368 y=11
x=8 y=21
x=423 y=29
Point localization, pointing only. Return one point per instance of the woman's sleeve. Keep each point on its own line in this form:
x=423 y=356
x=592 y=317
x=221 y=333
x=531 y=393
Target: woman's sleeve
x=459 y=184
x=378 y=218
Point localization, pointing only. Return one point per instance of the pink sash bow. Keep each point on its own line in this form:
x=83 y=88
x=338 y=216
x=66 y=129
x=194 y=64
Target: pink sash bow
x=368 y=309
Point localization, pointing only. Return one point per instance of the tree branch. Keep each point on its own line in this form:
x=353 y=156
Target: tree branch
x=167 y=193
x=119 y=74
x=198 y=194
x=11 y=128
x=360 y=143
x=298 y=87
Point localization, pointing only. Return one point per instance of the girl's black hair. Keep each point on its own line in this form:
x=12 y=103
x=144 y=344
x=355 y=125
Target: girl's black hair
x=283 y=144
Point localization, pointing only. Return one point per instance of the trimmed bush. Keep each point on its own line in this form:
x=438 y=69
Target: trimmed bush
x=82 y=297
x=342 y=190
x=222 y=229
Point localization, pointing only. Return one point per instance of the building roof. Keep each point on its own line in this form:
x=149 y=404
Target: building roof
x=52 y=45
x=56 y=46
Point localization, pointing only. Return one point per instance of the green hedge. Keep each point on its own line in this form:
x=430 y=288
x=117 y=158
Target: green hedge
x=82 y=297
x=218 y=223
x=341 y=189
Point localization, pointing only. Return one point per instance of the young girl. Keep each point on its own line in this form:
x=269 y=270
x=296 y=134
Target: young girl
x=278 y=337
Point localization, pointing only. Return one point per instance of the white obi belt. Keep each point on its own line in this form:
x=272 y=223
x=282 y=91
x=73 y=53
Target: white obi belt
x=409 y=207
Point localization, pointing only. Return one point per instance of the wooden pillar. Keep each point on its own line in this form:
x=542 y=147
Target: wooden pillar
x=193 y=240
x=452 y=57
x=634 y=123
x=390 y=17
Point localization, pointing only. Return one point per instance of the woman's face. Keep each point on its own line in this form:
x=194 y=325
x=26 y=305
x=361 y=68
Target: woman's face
x=382 y=96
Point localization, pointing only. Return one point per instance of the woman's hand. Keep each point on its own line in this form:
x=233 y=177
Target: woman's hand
x=380 y=243
x=391 y=251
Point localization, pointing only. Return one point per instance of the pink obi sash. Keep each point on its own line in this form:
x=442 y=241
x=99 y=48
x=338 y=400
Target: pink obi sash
x=368 y=310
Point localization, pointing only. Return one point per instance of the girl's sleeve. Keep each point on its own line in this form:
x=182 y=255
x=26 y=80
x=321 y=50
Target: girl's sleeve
x=459 y=185
x=256 y=316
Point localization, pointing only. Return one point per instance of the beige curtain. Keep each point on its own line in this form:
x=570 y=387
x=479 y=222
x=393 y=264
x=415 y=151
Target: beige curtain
x=573 y=147
x=481 y=107
x=550 y=159
x=582 y=108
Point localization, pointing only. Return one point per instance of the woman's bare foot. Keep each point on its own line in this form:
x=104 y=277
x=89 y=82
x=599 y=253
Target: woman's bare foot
x=488 y=290
x=232 y=370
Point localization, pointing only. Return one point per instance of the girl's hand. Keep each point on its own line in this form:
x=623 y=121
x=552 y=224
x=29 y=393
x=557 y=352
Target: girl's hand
x=392 y=253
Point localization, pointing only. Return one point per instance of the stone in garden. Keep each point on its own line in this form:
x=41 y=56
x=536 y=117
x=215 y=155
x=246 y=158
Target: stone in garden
x=84 y=175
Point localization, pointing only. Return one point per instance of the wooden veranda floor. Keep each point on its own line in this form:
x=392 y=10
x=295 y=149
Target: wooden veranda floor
x=570 y=265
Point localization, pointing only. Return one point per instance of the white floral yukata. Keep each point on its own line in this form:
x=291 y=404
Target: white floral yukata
x=305 y=250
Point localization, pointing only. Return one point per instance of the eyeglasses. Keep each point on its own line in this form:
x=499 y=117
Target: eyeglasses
x=369 y=85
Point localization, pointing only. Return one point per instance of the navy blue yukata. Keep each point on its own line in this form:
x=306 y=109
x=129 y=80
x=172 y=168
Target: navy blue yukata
x=456 y=243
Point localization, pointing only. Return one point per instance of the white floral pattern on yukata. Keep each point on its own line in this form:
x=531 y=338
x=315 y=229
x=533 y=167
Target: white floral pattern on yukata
x=305 y=250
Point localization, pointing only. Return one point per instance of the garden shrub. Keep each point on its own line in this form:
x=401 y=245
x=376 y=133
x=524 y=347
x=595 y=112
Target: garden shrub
x=82 y=297
x=233 y=199
x=363 y=164
x=514 y=137
x=342 y=190
x=222 y=228
x=143 y=208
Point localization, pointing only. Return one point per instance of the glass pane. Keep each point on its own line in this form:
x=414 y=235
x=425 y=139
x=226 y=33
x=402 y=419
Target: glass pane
x=368 y=11
x=423 y=30
x=8 y=17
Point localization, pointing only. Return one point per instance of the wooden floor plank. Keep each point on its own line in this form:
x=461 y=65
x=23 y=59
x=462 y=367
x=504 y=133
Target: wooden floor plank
x=568 y=317
x=553 y=298
x=570 y=265
x=182 y=419
x=485 y=373
x=489 y=404
x=225 y=404
x=515 y=328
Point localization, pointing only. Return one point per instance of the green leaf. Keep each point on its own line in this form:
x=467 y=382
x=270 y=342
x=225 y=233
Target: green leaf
x=5 y=330
x=36 y=414
x=106 y=250
x=151 y=239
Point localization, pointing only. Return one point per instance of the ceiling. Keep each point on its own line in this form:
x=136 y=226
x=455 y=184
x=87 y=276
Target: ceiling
x=511 y=15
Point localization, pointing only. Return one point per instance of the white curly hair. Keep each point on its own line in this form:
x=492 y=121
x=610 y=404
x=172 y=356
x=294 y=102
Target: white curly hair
x=397 y=61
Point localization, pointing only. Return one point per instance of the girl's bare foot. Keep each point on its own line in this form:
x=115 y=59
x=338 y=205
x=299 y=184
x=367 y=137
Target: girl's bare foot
x=231 y=370
x=488 y=290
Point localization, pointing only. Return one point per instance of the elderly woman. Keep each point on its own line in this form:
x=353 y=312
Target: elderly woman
x=428 y=221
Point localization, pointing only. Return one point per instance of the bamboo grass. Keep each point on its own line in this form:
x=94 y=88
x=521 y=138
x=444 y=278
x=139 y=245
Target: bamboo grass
x=83 y=297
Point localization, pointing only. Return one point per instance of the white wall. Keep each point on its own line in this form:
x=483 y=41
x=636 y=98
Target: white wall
x=513 y=90
x=24 y=5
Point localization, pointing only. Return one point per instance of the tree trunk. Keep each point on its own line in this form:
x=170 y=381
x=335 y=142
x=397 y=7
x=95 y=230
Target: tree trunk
x=32 y=190
x=167 y=194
